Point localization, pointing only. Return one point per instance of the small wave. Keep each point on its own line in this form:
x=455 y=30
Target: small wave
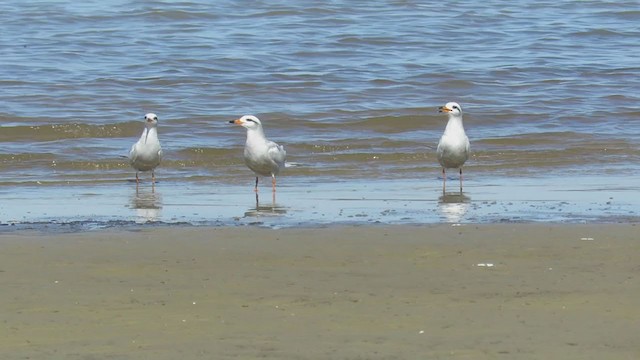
x=68 y=131
x=9 y=161
x=601 y=33
x=278 y=13
x=173 y=14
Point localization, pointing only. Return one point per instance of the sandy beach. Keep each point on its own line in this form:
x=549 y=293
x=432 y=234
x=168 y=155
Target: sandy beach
x=368 y=249
x=500 y=291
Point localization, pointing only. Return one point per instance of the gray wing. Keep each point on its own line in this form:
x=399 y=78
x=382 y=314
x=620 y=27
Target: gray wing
x=466 y=148
x=133 y=154
x=440 y=149
x=277 y=153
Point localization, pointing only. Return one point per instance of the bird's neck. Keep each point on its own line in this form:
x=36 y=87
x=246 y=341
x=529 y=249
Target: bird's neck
x=255 y=135
x=150 y=134
x=454 y=125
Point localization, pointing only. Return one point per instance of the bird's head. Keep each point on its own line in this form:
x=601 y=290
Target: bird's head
x=248 y=121
x=151 y=120
x=451 y=108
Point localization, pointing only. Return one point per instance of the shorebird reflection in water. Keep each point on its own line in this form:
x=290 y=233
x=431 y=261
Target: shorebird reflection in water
x=147 y=205
x=453 y=147
x=265 y=210
x=453 y=206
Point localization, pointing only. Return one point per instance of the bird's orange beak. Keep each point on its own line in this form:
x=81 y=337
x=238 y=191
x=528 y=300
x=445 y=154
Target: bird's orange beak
x=443 y=109
x=236 y=121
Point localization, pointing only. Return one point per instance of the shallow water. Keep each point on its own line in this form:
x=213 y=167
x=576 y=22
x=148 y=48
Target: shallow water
x=301 y=203
x=550 y=93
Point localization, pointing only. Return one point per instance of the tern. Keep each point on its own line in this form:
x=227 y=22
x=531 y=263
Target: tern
x=453 y=148
x=264 y=157
x=145 y=155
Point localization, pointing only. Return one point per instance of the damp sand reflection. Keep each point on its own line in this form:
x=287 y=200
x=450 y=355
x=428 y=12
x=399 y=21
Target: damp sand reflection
x=453 y=206
x=147 y=203
x=268 y=208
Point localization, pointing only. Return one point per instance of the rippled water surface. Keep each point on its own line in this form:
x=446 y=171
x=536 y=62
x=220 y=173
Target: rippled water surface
x=550 y=90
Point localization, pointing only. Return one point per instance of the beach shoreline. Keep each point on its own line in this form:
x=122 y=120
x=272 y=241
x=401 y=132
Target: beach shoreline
x=307 y=204
x=462 y=291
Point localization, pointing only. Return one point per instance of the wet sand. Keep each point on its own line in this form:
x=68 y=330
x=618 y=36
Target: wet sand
x=500 y=291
